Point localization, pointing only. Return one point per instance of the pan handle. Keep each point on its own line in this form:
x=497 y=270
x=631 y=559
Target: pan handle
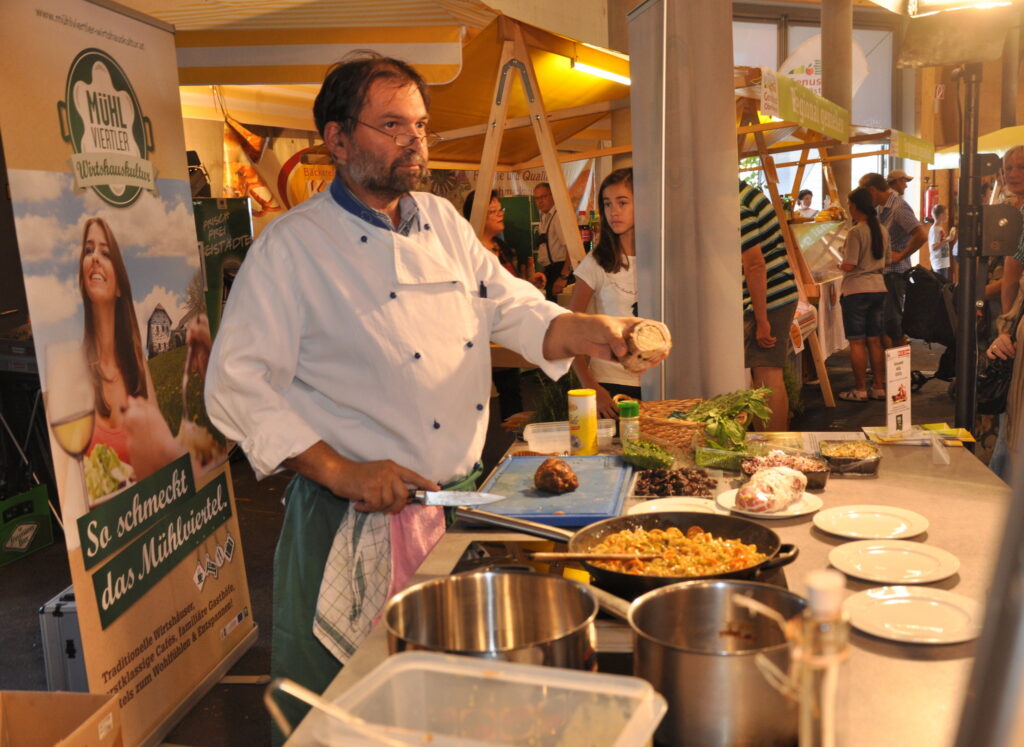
x=611 y=603
x=509 y=522
x=786 y=555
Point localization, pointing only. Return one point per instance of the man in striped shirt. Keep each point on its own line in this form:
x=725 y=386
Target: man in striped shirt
x=906 y=235
x=769 y=300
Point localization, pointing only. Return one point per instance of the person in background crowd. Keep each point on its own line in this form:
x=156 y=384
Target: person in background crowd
x=864 y=255
x=1013 y=181
x=1010 y=292
x=803 y=202
x=906 y=236
x=506 y=380
x=494 y=224
x=608 y=275
x=769 y=300
x=939 y=242
x=355 y=351
x=552 y=254
x=898 y=179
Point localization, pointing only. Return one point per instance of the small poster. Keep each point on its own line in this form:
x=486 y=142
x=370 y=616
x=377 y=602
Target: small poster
x=897 y=389
x=224 y=227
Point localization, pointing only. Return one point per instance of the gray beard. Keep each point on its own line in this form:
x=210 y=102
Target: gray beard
x=385 y=182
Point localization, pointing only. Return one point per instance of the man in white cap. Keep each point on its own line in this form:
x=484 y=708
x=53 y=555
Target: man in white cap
x=898 y=179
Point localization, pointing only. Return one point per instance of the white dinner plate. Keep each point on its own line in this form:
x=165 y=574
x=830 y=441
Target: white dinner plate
x=871 y=522
x=808 y=504
x=894 y=561
x=676 y=503
x=914 y=614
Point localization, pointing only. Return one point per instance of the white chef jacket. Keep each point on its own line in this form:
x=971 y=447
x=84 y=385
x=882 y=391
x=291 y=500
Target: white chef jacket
x=376 y=343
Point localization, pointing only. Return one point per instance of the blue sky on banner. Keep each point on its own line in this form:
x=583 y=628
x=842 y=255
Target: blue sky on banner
x=156 y=235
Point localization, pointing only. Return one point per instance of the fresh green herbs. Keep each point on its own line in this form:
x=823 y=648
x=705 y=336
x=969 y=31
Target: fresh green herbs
x=719 y=415
x=647 y=455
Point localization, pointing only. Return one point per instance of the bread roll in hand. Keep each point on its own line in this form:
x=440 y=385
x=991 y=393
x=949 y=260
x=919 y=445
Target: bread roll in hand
x=649 y=342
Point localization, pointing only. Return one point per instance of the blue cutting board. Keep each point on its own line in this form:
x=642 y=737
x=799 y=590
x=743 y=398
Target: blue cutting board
x=604 y=481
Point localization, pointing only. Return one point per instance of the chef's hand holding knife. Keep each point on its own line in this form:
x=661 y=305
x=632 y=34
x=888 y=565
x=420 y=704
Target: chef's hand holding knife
x=372 y=486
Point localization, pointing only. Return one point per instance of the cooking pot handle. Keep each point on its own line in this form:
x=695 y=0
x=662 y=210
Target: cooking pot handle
x=786 y=555
x=509 y=522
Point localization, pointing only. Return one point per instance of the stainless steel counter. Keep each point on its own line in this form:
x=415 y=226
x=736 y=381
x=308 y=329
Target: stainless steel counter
x=892 y=694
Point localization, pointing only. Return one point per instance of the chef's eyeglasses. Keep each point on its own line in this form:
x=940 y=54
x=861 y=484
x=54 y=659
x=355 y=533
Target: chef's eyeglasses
x=496 y=211
x=404 y=140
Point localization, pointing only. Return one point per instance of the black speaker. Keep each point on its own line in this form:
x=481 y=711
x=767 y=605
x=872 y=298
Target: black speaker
x=197 y=175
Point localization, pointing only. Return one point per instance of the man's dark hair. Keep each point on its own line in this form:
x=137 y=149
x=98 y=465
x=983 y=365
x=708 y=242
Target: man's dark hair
x=804 y=193
x=874 y=180
x=343 y=93
x=542 y=184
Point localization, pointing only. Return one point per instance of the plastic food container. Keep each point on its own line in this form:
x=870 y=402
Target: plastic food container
x=719 y=459
x=426 y=698
x=553 y=438
x=852 y=466
x=816 y=478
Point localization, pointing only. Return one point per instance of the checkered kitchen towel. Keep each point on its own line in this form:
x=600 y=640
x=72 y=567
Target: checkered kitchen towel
x=355 y=584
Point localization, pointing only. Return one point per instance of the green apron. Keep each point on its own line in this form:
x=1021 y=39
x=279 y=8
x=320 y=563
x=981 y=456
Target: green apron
x=312 y=515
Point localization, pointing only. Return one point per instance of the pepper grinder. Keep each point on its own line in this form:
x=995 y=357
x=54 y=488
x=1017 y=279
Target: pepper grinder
x=823 y=647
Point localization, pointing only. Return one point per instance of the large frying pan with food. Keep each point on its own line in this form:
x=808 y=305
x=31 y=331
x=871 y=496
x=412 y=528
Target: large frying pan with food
x=629 y=586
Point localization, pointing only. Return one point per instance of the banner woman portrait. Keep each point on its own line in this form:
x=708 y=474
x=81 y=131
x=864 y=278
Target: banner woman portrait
x=131 y=439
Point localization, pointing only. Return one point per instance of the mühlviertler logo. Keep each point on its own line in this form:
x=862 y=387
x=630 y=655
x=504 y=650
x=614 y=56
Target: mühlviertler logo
x=100 y=116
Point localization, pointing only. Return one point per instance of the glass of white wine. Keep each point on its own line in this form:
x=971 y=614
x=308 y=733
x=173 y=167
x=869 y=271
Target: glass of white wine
x=70 y=402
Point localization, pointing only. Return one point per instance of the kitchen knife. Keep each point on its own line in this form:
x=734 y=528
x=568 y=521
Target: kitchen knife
x=453 y=498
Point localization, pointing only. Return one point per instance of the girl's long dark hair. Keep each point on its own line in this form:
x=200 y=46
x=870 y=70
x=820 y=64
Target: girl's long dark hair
x=608 y=251
x=861 y=199
x=127 y=340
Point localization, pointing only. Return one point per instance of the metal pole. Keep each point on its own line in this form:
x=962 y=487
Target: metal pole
x=970 y=241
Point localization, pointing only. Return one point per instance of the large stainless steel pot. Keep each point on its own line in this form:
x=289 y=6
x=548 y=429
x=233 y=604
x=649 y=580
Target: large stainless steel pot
x=697 y=649
x=523 y=617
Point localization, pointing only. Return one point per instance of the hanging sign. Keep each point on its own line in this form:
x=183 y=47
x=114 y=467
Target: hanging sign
x=905 y=145
x=103 y=221
x=786 y=99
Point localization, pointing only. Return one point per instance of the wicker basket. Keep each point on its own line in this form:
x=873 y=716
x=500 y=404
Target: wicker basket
x=655 y=424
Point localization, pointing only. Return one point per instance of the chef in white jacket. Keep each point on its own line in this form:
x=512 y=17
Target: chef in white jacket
x=354 y=350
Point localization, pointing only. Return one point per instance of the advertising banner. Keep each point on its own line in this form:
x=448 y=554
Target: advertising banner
x=905 y=145
x=786 y=99
x=94 y=146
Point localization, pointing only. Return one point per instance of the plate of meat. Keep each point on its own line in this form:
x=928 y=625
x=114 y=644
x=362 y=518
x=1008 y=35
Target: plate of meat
x=773 y=493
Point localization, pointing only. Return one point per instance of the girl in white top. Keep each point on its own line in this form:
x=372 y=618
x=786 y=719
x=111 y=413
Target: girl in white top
x=939 y=242
x=608 y=276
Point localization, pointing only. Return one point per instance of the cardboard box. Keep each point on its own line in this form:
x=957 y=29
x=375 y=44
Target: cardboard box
x=36 y=719
x=25 y=524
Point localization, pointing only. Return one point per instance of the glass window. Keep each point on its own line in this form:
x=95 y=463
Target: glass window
x=872 y=103
x=755 y=44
